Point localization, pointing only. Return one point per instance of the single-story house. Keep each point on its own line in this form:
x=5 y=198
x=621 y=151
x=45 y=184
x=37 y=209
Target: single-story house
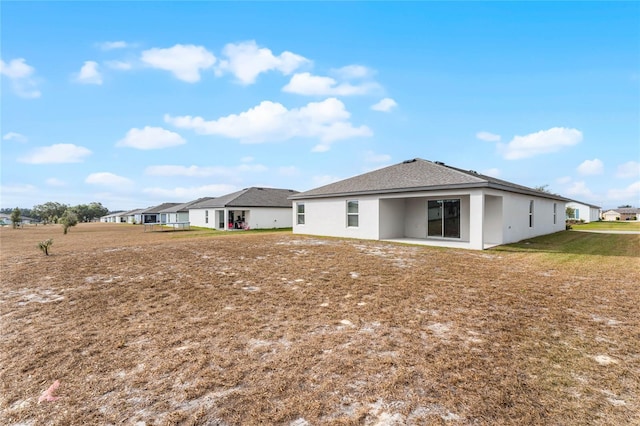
x=180 y=212
x=251 y=208
x=153 y=214
x=583 y=211
x=622 y=213
x=5 y=219
x=117 y=217
x=430 y=203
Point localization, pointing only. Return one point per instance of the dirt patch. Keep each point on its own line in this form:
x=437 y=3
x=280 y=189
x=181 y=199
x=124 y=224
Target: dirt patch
x=161 y=328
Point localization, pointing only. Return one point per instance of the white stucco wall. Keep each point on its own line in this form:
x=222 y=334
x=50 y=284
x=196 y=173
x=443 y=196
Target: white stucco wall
x=267 y=218
x=585 y=212
x=328 y=217
x=516 y=217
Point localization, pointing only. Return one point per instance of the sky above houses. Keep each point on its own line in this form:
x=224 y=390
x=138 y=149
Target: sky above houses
x=134 y=104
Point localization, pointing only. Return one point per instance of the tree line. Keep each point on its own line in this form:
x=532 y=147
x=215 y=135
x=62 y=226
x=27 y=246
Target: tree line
x=52 y=212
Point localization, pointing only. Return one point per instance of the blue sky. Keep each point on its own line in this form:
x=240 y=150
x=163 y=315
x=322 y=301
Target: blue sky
x=137 y=103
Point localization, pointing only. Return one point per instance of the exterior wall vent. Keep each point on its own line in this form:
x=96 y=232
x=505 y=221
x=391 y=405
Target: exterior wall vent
x=440 y=163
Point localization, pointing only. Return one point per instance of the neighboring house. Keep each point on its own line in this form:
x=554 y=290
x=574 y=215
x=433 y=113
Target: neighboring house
x=153 y=214
x=426 y=202
x=180 y=212
x=117 y=217
x=251 y=208
x=584 y=211
x=622 y=213
x=5 y=219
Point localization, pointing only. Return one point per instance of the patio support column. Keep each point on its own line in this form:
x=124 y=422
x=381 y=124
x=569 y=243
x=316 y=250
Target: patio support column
x=476 y=220
x=226 y=219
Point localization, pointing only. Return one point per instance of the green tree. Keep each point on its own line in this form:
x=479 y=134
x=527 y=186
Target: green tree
x=49 y=210
x=68 y=219
x=542 y=188
x=16 y=217
x=570 y=211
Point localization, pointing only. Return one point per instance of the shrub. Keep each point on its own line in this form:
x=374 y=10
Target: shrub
x=68 y=220
x=44 y=246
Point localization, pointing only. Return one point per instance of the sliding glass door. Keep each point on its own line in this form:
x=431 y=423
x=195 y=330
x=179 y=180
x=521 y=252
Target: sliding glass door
x=443 y=218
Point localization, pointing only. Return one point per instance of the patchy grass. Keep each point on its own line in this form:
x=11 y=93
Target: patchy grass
x=624 y=225
x=274 y=328
x=578 y=245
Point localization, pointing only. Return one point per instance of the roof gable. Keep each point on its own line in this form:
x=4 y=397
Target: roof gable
x=250 y=197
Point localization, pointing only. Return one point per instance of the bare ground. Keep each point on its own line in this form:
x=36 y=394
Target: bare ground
x=170 y=328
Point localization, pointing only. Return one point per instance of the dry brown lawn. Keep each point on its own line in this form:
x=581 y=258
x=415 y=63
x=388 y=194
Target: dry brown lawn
x=166 y=328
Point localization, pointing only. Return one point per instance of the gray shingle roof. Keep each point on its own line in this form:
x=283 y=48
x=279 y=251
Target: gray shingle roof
x=250 y=197
x=184 y=207
x=627 y=210
x=416 y=175
x=158 y=208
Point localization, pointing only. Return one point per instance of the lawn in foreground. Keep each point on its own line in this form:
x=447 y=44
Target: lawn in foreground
x=282 y=329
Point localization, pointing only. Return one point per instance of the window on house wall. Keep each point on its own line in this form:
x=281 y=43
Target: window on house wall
x=206 y=216
x=555 y=213
x=531 y=214
x=352 y=213
x=300 y=213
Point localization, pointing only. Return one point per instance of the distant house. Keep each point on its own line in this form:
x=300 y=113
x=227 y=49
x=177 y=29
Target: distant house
x=116 y=217
x=622 y=213
x=5 y=219
x=426 y=202
x=154 y=214
x=251 y=208
x=583 y=211
x=180 y=212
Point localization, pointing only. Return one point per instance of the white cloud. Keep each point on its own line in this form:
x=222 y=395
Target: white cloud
x=271 y=121
x=55 y=182
x=183 y=61
x=564 y=179
x=108 y=179
x=246 y=61
x=21 y=76
x=55 y=154
x=313 y=85
x=493 y=172
x=190 y=193
x=579 y=189
x=111 y=45
x=488 y=136
x=352 y=72
x=17 y=189
x=630 y=194
x=13 y=136
x=89 y=74
x=197 y=171
x=247 y=159
x=372 y=157
x=385 y=105
x=591 y=167
x=630 y=169
x=119 y=65
x=150 y=138
x=542 y=142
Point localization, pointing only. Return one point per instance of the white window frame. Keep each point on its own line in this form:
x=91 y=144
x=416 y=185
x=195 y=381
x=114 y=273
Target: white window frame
x=300 y=214
x=530 y=213
x=355 y=214
x=555 y=213
x=206 y=216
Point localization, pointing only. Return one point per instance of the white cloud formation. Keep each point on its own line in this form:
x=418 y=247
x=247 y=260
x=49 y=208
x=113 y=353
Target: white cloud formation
x=197 y=171
x=313 y=85
x=591 y=167
x=16 y=137
x=119 y=65
x=352 y=72
x=493 y=172
x=564 y=179
x=191 y=193
x=246 y=61
x=150 y=138
x=108 y=179
x=542 y=142
x=372 y=157
x=630 y=194
x=22 y=77
x=56 y=154
x=271 y=121
x=55 y=182
x=247 y=159
x=184 y=61
x=111 y=45
x=385 y=105
x=488 y=136
x=630 y=169
x=17 y=188
x=579 y=189
x=89 y=74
